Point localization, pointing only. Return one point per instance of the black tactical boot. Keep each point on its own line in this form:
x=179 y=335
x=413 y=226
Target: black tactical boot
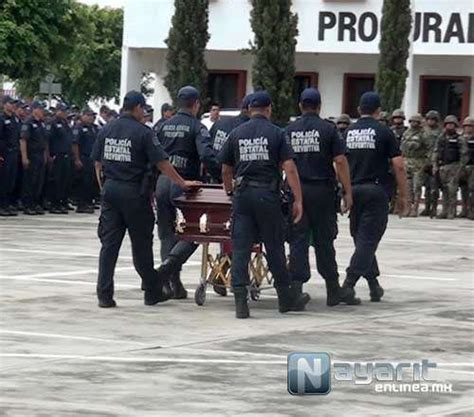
x=168 y=268
x=177 y=287
x=153 y=297
x=4 y=212
x=241 y=304
x=107 y=303
x=349 y=292
x=290 y=300
x=376 y=291
x=336 y=294
x=298 y=287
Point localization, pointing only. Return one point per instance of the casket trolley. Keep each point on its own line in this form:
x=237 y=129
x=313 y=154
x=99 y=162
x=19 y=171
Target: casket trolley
x=204 y=217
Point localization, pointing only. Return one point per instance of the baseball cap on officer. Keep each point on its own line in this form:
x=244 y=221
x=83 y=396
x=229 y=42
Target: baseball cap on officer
x=369 y=102
x=188 y=93
x=416 y=118
x=260 y=99
x=310 y=96
x=87 y=111
x=432 y=114
x=132 y=99
x=166 y=107
x=468 y=121
x=62 y=107
x=7 y=99
x=37 y=105
x=246 y=101
x=451 y=119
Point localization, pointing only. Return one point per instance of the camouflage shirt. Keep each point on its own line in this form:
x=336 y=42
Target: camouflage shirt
x=415 y=145
x=432 y=135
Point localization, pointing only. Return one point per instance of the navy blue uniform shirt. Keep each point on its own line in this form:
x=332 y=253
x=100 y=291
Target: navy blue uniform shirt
x=370 y=147
x=126 y=147
x=35 y=134
x=315 y=143
x=9 y=133
x=188 y=143
x=256 y=149
x=221 y=129
x=84 y=136
x=60 y=137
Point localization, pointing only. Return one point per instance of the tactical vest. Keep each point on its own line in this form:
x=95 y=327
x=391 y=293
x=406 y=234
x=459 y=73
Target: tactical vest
x=470 y=147
x=449 y=152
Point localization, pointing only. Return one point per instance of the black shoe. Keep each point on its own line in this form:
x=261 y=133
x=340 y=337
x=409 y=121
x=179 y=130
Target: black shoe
x=4 y=212
x=13 y=210
x=376 y=291
x=167 y=269
x=241 y=302
x=347 y=295
x=81 y=209
x=179 y=292
x=333 y=293
x=55 y=210
x=89 y=210
x=425 y=212
x=290 y=300
x=39 y=210
x=154 y=297
x=297 y=286
x=30 y=211
x=107 y=303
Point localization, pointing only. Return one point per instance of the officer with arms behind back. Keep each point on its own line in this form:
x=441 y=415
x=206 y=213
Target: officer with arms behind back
x=371 y=147
x=317 y=145
x=186 y=140
x=254 y=154
x=124 y=149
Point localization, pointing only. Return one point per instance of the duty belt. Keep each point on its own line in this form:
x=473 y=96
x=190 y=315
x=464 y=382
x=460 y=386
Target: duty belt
x=242 y=183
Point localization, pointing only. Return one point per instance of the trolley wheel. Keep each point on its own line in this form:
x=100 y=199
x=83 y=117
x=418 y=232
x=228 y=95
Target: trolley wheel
x=255 y=293
x=200 y=294
x=220 y=289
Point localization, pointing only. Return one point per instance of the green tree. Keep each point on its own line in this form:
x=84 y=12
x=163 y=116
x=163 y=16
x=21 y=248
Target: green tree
x=394 y=50
x=275 y=28
x=187 y=40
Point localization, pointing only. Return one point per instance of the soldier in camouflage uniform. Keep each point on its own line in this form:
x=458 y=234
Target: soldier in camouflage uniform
x=398 y=128
x=342 y=123
x=449 y=157
x=468 y=136
x=384 y=119
x=432 y=186
x=415 y=148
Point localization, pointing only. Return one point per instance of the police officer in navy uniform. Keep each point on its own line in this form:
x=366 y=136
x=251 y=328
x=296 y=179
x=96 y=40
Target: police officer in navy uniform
x=371 y=149
x=318 y=147
x=254 y=154
x=123 y=151
x=9 y=149
x=167 y=112
x=34 y=155
x=84 y=136
x=187 y=142
x=60 y=148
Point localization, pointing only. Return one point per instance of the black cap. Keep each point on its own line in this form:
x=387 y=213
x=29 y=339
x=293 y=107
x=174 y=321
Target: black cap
x=148 y=110
x=37 y=105
x=188 y=93
x=166 y=107
x=7 y=99
x=310 y=96
x=133 y=98
x=369 y=102
x=260 y=99
x=62 y=107
x=25 y=106
x=88 y=111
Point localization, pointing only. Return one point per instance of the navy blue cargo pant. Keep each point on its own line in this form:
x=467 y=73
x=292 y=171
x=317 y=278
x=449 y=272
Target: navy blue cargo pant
x=123 y=209
x=368 y=221
x=319 y=222
x=33 y=179
x=87 y=182
x=257 y=216
x=171 y=245
x=8 y=173
x=61 y=172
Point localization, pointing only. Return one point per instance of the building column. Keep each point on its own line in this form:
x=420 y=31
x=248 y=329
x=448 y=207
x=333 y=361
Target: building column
x=131 y=73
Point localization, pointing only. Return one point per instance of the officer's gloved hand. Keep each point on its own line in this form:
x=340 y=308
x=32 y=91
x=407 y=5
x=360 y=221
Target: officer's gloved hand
x=192 y=186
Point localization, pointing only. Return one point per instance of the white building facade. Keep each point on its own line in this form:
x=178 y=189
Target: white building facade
x=337 y=51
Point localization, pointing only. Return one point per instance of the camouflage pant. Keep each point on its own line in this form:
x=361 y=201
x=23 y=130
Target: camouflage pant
x=416 y=177
x=449 y=177
x=468 y=176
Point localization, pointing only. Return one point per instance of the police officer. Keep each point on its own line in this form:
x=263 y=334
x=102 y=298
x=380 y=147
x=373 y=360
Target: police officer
x=186 y=140
x=450 y=155
x=415 y=150
x=253 y=155
x=342 y=123
x=123 y=150
x=371 y=148
x=431 y=132
x=60 y=148
x=317 y=146
x=9 y=149
x=84 y=136
x=468 y=136
x=167 y=112
x=34 y=155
